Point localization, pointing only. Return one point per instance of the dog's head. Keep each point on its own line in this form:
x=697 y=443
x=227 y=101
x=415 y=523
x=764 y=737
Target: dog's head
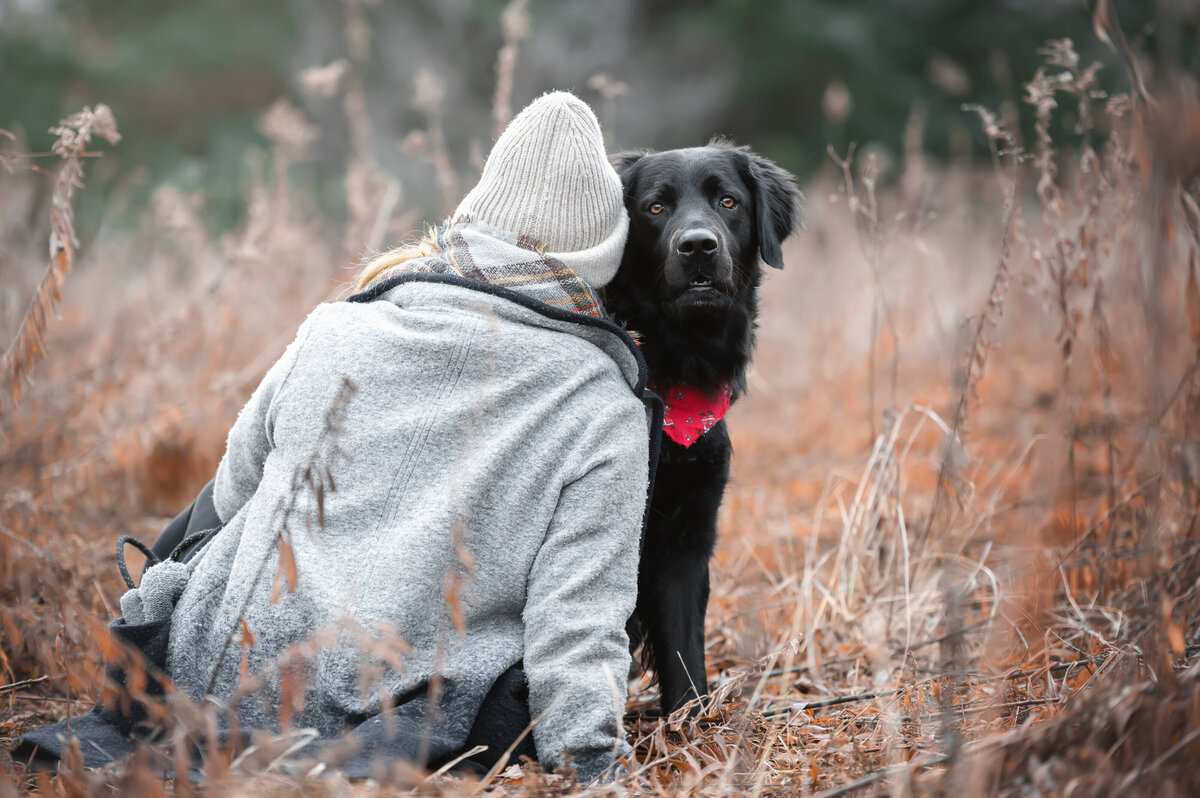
x=700 y=219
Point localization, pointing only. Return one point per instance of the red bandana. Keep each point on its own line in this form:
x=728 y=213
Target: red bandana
x=690 y=412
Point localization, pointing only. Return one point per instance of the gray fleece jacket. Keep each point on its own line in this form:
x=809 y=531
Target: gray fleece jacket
x=460 y=481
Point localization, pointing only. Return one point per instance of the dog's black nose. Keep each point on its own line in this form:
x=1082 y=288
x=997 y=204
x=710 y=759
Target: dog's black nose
x=697 y=242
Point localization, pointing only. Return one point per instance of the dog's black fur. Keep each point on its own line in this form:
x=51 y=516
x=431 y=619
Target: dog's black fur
x=688 y=284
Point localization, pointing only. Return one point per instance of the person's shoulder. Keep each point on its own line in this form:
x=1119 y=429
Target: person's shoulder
x=319 y=316
x=583 y=356
x=600 y=388
x=341 y=320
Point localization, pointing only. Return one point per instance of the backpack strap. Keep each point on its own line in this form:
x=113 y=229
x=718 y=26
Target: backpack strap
x=151 y=558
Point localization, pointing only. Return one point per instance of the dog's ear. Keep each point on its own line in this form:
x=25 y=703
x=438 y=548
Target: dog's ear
x=777 y=207
x=625 y=163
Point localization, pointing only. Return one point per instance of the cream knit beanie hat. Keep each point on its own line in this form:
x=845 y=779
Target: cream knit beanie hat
x=548 y=178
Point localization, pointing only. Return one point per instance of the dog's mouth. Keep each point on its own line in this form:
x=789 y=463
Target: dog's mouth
x=703 y=284
x=695 y=288
x=701 y=296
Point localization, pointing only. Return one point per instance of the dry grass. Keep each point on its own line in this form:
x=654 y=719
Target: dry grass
x=959 y=554
x=74 y=134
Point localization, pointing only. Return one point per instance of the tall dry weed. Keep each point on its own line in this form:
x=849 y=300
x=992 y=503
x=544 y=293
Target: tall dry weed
x=74 y=134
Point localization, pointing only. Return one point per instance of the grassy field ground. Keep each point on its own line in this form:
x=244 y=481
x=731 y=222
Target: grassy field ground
x=959 y=553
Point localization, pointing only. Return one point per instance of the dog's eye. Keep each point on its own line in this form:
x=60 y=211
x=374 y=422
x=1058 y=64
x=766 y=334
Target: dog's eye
x=728 y=202
x=656 y=208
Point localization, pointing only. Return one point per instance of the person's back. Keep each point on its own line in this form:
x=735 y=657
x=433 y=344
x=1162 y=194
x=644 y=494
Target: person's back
x=456 y=431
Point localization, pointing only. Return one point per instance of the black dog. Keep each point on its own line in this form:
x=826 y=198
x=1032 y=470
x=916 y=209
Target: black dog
x=700 y=219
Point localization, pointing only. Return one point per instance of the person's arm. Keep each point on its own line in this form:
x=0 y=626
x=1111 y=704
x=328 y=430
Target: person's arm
x=581 y=591
x=251 y=438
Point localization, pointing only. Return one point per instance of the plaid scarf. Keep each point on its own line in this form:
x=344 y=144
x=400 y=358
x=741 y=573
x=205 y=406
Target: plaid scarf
x=477 y=252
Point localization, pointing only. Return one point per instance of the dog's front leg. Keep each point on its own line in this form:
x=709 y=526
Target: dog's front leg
x=673 y=594
x=674 y=620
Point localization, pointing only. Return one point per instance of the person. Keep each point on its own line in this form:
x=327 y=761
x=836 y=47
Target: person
x=430 y=509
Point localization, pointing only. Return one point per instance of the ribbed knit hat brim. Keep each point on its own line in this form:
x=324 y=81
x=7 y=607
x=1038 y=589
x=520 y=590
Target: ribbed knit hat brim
x=548 y=178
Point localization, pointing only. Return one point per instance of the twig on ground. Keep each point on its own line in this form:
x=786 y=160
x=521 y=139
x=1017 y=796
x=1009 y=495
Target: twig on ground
x=4 y=688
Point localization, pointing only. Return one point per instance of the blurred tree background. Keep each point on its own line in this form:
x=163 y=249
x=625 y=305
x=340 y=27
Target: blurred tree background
x=188 y=80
